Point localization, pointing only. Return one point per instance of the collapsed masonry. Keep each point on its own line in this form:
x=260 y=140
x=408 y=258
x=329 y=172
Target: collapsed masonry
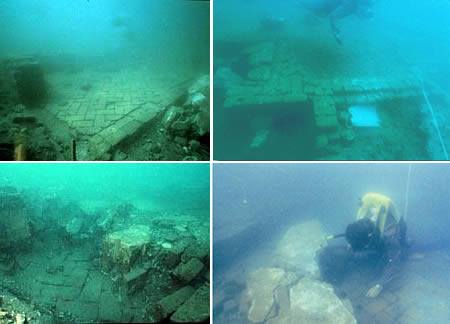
x=275 y=77
x=289 y=289
x=119 y=264
x=152 y=260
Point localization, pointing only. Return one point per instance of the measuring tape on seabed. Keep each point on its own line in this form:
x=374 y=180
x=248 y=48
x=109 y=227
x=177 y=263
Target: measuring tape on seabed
x=433 y=117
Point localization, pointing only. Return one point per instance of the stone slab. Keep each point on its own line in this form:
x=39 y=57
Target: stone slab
x=195 y=309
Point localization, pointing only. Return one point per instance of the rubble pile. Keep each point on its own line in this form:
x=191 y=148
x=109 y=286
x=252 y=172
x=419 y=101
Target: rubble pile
x=14 y=311
x=149 y=268
x=188 y=125
x=165 y=261
x=292 y=291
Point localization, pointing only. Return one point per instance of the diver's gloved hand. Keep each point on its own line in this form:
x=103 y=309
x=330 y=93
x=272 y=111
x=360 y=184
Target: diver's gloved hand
x=374 y=291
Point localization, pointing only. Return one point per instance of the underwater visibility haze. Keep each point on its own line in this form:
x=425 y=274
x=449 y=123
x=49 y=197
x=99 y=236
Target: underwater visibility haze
x=284 y=250
x=331 y=79
x=104 y=243
x=104 y=79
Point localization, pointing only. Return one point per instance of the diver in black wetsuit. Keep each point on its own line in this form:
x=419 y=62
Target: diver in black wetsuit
x=377 y=237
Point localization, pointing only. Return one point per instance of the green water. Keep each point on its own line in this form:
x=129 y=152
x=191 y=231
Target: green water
x=90 y=243
x=167 y=187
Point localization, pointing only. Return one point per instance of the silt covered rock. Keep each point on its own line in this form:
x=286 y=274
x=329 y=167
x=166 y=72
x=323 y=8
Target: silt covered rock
x=186 y=272
x=261 y=292
x=171 y=303
x=297 y=249
x=313 y=301
x=122 y=248
x=195 y=309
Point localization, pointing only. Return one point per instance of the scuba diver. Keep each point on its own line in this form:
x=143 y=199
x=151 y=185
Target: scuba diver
x=337 y=10
x=378 y=235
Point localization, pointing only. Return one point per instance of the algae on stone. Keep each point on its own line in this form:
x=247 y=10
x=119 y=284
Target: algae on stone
x=123 y=247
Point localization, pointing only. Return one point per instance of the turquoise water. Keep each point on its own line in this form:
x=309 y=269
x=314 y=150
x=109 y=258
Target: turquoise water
x=103 y=242
x=154 y=186
x=122 y=32
x=270 y=56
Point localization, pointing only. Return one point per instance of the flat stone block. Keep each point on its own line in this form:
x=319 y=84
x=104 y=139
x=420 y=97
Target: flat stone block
x=195 y=309
x=186 y=272
x=110 y=310
x=92 y=289
x=326 y=121
x=170 y=304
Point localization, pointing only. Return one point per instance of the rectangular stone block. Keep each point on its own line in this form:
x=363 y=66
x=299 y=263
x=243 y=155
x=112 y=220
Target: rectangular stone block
x=121 y=249
x=171 y=303
x=326 y=121
x=186 y=272
x=135 y=280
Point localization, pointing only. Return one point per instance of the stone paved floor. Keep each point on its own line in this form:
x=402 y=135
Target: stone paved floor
x=68 y=281
x=102 y=108
x=420 y=295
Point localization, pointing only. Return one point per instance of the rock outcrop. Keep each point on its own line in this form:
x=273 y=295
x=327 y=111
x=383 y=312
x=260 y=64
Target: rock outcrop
x=261 y=295
x=164 y=259
x=291 y=292
x=297 y=249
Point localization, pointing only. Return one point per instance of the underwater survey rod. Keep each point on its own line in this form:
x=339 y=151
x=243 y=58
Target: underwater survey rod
x=405 y=209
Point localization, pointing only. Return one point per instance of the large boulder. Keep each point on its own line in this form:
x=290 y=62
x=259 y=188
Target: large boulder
x=297 y=249
x=275 y=296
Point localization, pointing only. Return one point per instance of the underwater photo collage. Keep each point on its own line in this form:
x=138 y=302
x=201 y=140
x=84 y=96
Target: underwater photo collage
x=224 y=161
